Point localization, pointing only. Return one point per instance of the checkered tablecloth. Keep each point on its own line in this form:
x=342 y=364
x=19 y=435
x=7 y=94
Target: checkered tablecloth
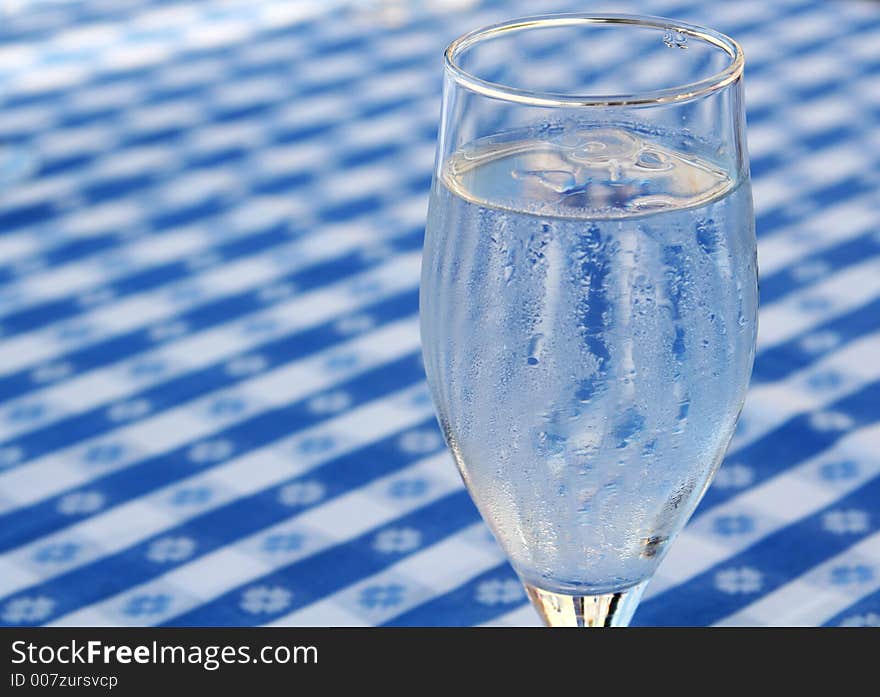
x=212 y=410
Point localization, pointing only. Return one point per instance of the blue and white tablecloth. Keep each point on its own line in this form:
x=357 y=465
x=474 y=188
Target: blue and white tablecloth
x=212 y=410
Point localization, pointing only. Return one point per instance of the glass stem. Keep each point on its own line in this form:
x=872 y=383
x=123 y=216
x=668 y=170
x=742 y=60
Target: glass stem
x=606 y=610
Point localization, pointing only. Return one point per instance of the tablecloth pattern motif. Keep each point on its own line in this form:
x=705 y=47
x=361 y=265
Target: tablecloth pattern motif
x=212 y=408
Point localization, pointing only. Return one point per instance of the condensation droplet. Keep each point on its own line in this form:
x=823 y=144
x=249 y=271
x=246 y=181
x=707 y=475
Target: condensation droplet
x=652 y=545
x=536 y=344
x=629 y=426
x=675 y=39
x=683 y=408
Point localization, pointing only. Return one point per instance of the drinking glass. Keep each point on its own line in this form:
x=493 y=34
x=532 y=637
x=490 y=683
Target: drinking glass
x=589 y=291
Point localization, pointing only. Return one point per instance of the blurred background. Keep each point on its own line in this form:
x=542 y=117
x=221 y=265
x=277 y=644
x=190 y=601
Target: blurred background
x=212 y=407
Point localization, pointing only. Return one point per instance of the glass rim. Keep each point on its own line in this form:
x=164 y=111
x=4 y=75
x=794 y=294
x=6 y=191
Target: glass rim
x=678 y=93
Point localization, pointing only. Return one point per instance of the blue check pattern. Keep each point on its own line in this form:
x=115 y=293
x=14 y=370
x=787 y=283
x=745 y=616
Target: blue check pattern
x=212 y=407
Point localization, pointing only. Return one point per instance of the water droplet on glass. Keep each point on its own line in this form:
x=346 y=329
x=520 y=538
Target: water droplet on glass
x=550 y=443
x=629 y=426
x=610 y=489
x=678 y=345
x=586 y=389
x=708 y=236
x=535 y=345
x=652 y=545
x=683 y=408
x=675 y=39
